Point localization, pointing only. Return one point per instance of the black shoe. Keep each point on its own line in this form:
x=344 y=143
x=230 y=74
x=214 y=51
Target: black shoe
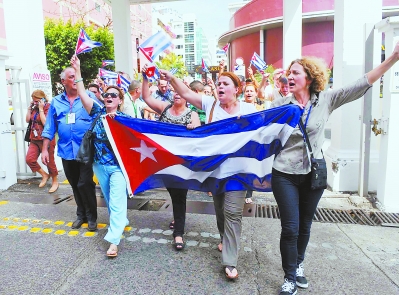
x=92 y=226
x=78 y=223
x=301 y=280
x=288 y=288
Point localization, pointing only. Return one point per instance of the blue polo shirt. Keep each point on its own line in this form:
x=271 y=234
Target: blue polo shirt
x=69 y=135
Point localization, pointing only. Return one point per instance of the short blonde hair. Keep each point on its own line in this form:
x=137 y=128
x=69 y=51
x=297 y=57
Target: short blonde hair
x=39 y=94
x=316 y=71
x=120 y=95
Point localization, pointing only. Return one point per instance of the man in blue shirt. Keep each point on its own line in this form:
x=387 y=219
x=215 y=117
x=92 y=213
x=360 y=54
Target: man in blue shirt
x=68 y=117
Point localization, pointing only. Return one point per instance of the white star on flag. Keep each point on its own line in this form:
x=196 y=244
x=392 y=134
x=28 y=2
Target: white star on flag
x=145 y=151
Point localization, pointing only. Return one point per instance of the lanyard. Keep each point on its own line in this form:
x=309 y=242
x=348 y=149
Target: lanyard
x=307 y=117
x=135 y=109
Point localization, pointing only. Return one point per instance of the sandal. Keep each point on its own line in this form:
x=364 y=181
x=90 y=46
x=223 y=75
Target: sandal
x=231 y=272
x=172 y=225
x=179 y=245
x=112 y=250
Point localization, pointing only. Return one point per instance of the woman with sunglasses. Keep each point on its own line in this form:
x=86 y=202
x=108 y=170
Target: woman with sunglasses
x=175 y=113
x=106 y=166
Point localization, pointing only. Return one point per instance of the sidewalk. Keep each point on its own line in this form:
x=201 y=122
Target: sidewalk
x=40 y=254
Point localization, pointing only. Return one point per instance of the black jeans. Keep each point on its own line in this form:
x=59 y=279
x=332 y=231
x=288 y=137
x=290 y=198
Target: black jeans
x=179 y=198
x=80 y=177
x=297 y=204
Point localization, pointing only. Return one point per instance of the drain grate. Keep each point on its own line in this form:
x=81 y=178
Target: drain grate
x=353 y=216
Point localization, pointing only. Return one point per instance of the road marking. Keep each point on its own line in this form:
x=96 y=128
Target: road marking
x=60 y=232
x=47 y=230
x=35 y=229
x=59 y=222
x=23 y=228
x=90 y=234
x=73 y=233
x=3 y=202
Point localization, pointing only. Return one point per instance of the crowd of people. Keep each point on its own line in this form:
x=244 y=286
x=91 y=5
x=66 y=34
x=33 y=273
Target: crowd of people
x=192 y=104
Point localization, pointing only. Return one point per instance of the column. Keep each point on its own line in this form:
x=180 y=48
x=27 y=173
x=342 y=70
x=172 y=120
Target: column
x=387 y=192
x=292 y=31
x=343 y=155
x=8 y=175
x=122 y=36
x=262 y=44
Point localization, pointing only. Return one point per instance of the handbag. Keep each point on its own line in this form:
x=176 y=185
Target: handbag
x=85 y=153
x=28 y=130
x=318 y=167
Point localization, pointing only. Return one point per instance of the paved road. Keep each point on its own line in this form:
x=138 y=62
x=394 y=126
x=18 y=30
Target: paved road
x=40 y=254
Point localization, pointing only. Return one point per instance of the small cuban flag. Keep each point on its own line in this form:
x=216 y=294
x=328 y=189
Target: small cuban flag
x=152 y=74
x=173 y=71
x=204 y=66
x=84 y=43
x=107 y=63
x=155 y=45
x=258 y=62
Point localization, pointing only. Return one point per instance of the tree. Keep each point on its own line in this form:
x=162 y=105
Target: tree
x=270 y=69
x=60 y=40
x=171 y=61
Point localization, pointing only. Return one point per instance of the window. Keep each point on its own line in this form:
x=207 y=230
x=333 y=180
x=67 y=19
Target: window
x=188 y=27
x=141 y=36
x=179 y=37
x=189 y=48
x=189 y=38
x=179 y=46
x=97 y=7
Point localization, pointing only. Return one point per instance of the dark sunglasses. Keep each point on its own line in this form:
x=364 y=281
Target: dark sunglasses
x=106 y=94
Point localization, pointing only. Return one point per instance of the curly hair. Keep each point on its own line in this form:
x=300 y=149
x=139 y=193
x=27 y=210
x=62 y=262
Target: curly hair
x=235 y=79
x=120 y=94
x=315 y=69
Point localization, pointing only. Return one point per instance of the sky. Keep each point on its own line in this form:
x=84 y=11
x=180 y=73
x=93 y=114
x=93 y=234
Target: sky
x=212 y=15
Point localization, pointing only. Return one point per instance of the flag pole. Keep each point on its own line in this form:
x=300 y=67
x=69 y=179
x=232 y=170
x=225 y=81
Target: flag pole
x=138 y=57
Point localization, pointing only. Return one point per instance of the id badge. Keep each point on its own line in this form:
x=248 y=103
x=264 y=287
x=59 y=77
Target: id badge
x=35 y=133
x=70 y=119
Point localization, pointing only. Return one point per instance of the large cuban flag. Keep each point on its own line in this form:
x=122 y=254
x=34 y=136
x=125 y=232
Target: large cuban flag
x=231 y=154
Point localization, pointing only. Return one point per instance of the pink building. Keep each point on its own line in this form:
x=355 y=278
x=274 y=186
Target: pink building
x=265 y=18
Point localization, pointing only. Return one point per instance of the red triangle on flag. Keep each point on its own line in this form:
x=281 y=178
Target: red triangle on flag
x=139 y=155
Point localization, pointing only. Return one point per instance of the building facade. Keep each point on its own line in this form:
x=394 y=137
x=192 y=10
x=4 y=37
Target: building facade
x=261 y=30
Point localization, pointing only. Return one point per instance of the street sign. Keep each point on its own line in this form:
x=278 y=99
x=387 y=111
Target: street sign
x=212 y=69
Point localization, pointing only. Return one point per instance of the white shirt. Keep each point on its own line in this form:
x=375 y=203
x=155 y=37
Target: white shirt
x=132 y=107
x=219 y=113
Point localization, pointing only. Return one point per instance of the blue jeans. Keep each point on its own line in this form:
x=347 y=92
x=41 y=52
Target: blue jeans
x=113 y=186
x=297 y=204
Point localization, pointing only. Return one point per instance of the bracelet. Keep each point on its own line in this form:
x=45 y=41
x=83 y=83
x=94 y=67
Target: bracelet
x=79 y=80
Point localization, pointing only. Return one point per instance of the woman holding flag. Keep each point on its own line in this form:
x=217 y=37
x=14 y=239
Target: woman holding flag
x=228 y=205
x=291 y=175
x=106 y=166
x=175 y=113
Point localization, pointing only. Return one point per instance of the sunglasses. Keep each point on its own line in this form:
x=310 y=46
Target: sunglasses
x=106 y=94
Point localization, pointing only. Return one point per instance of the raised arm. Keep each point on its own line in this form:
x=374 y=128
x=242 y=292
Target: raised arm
x=263 y=84
x=155 y=104
x=186 y=93
x=376 y=73
x=85 y=98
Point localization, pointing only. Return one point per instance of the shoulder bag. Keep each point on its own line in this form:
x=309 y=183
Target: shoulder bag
x=28 y=130
x=85 y=153
x=318 y=167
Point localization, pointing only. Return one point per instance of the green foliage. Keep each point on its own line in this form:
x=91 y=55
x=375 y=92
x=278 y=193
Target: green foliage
x=171 y=61
x=258 y=76
x=60 y=40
